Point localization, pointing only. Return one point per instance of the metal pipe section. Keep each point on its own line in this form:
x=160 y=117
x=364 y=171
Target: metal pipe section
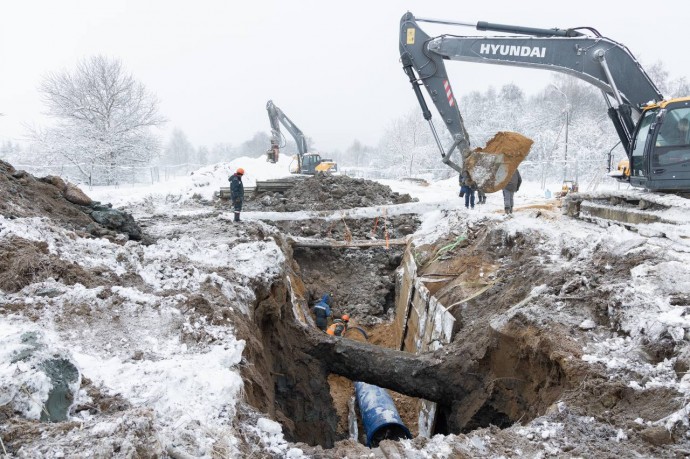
x=446 y=22
x=379 y=415
x=488 y=26
x=599 y=54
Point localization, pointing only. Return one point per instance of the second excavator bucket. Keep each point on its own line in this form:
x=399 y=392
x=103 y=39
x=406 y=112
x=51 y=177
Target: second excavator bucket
x=491 y=167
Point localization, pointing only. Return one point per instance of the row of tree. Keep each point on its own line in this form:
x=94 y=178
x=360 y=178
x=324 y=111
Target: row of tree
x=104 y=122
x=567 y=120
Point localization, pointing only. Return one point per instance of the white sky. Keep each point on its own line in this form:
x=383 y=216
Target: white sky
x=332 y=67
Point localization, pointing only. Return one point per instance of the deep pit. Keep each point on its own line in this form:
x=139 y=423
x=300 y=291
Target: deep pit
x=520 y=373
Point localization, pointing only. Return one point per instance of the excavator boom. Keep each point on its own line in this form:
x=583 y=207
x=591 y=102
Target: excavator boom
x=590 y=57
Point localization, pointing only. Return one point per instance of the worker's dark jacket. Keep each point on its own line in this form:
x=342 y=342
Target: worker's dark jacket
x=514 y=184
x=236 y=191
x=322 y=311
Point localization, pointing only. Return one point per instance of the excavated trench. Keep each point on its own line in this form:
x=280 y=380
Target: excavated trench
x=395 y=296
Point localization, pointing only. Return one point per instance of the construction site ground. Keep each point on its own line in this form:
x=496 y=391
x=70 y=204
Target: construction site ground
x=576 y=332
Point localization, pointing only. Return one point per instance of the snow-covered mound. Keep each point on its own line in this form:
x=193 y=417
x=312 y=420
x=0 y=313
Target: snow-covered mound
x=216 y=175
x=198 y=185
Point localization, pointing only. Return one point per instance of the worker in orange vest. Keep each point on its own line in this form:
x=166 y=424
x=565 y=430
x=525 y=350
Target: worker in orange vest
x=339 y=326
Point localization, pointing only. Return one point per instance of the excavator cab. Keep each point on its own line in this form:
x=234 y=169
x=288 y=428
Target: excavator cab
x=312 y=163
x=660 y=153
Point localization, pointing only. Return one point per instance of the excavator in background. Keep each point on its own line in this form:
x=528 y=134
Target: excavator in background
x=658 y=156
x=304 y=162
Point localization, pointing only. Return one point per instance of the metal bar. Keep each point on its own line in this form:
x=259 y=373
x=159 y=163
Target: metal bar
x=444 y=21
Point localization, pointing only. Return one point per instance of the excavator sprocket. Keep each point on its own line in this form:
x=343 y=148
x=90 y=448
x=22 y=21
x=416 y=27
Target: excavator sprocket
x=492 y=167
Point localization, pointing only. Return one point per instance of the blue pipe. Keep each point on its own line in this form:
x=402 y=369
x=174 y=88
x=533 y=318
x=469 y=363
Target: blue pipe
x=379 y=415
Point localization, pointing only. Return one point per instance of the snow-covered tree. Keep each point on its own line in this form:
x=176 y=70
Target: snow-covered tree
x=222 y=152
x=408 y=147
x=103 y=119
x=203 y=155
x=10 y=151
x=178 y=150
x=356 y=154
x=255 y=146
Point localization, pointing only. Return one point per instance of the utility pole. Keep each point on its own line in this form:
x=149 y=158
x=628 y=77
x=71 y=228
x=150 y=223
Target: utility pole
x=567 y=122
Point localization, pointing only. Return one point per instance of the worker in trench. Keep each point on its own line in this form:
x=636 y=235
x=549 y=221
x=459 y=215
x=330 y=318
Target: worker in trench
x=322 y=311
x=339 y=326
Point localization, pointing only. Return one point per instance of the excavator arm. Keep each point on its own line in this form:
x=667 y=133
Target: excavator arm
x=597 y=60
x=307 y=163
x=276 y=117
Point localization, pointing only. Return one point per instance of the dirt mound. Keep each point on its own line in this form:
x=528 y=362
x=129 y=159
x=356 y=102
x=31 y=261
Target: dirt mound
x=23 y=195
x=24 y=262
x=328 y=192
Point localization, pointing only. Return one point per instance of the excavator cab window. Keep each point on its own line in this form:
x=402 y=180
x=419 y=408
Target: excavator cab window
x=638 y=167
x=672 y=145
x=675 y=128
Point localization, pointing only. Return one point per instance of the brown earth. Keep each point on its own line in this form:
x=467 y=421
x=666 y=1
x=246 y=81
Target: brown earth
x=23 y=195
x=361 y=281
x=24 y=262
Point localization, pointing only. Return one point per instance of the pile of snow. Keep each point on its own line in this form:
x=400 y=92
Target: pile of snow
x=199 y=185
x=210 y=178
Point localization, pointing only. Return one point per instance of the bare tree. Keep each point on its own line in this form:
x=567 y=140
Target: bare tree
x=104 y=119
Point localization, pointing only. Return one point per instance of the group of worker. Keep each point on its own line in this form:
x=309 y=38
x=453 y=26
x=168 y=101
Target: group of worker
x=322 y=311
x=468 y=187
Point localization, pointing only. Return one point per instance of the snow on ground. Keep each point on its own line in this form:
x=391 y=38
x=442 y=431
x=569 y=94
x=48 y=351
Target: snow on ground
x=129 y=340
x=193 y=389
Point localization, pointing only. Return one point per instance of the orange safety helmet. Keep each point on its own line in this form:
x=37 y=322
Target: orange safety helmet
x=345 y=317
x=240 y=171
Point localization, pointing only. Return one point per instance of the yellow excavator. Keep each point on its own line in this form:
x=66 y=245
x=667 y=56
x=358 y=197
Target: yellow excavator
x=304 y=162
x=649 y=127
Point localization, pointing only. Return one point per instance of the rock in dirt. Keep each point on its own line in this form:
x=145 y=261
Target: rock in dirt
x=117 y=220
x=587 y=324
x=657 y=435
x=74 y=195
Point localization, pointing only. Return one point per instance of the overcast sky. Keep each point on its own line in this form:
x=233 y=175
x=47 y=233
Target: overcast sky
x=332 y=67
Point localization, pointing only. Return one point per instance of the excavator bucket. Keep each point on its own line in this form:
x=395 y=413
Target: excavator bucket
x=492 y=167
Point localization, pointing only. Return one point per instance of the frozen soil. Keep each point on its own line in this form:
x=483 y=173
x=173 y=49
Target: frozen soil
x=344 y=229
x=327 y=192
x=361 y=281
x=548 y=319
